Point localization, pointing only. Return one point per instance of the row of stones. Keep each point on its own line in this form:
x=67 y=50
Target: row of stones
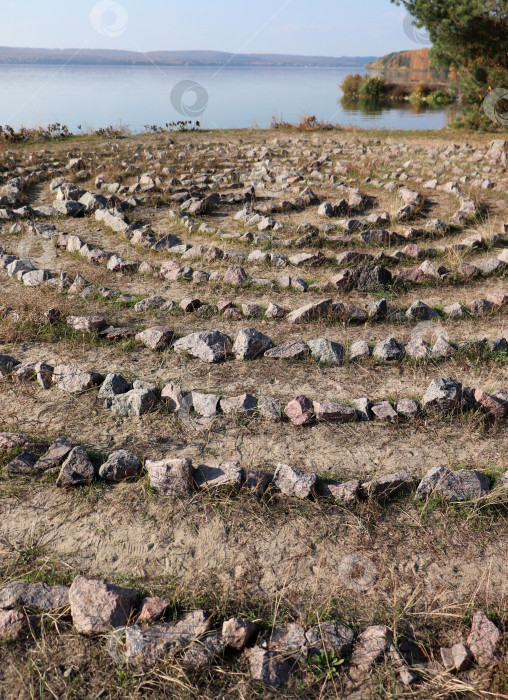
x=178 y=477
x=445 y=394
x=138 y=633
x=174 y=245
x=366 y=277
x=24 y=271
x=251 y=344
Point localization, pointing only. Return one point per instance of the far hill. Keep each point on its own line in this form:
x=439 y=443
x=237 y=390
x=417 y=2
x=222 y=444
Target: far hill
x=94 y=57
x=409 y=67
x=402 y=60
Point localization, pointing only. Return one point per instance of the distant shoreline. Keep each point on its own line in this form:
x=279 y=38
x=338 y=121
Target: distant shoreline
x=216 y=59
x=174 y=65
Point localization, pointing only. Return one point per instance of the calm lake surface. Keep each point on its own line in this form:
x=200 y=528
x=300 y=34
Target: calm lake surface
x=228 y=97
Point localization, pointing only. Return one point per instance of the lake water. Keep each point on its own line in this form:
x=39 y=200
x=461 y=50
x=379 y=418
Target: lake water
x=228 y=97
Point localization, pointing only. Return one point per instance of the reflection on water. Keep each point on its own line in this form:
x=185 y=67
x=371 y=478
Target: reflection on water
x=379 y=107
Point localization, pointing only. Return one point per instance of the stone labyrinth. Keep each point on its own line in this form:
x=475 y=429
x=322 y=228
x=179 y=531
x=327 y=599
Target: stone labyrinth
x=254 y=400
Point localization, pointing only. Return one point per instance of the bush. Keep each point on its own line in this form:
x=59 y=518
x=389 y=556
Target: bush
x=438 y=98
x=372 y=88
x=351 y=85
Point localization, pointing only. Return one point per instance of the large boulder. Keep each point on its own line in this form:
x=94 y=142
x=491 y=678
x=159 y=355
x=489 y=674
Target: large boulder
x=209 y=346
x=134 y=403
x=75 y=380
x=96 y=607
x=310 y=312
x=268 y=667
x=293 y=482
x=443 y=394
x=37 y=596
x=170 y=476
x=484 y=640
x=156 y=338
x=250 y=344
x=453 y=485
x=326 y=351
x=77 y=469
x=387 y=350
x=120 y=465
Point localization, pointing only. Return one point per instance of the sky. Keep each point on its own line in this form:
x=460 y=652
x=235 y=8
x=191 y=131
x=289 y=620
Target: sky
x=320 y=28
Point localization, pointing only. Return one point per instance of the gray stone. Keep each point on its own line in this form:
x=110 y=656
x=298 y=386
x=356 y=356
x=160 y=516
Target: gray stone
x=269 y=409
x=407 y=408
x=134 y=403
x=390 y=485
x=358 y=350
x=205 y=404
x=236 y=276
x=87 y=324
x=455 y=310
x=22 y=464
x=171 y=476
x=153 y=302
x=371 y=646
x=288 y=639
x=293 y=482
x=44 y=375
x=250 y=344
x=229 y=474
x=245 y=403
x=75 y=380
x=14 y=624
x=274 y=311
x=252 y=310
x=156 y=338
x=77 y=469
x=326 y=351
x=384 y=411
x=484 y=640
x=268 y=667
x=453 y=485
x=330 y=637
x=35 y=278
x=237 y=632
x=488 y=267
x=57 y=452
x=120 y=465
x=145 y=646
x=310 y=312
x=172 y=396
x=203 y=652
x=292 y=349
x=442 y=348
x=443 y=394
x=346 y=492
x=378 y=309
x=299 y=285
x=189 y=304
x=418 y=349
x=421 y=312
x=166 y=242
x=334 y=412
x=362 y=407
x=387 y=350
x=36 y=596
x=113 y=385
x=498 y=344
x=209 y=346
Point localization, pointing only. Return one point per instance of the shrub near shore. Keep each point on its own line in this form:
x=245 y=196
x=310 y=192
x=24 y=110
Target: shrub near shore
x=375 y=89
